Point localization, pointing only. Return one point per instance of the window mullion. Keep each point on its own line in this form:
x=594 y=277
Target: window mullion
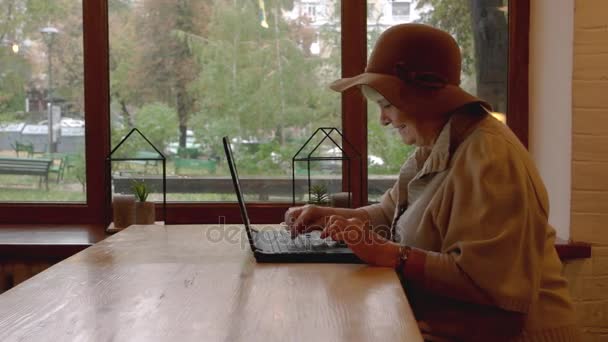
x=354 y=112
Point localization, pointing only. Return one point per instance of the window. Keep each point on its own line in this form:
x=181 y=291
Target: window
x=186 y=74
x=110 y=80
x=311 y=10
x=42 y=116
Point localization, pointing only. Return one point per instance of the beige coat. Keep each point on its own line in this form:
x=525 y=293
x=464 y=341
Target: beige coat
x=476 y=211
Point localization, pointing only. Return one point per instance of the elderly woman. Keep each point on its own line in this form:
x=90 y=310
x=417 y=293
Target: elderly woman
x=466 y=223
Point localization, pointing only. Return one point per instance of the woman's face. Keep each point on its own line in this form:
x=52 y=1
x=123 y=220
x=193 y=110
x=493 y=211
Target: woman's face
x=403 y=123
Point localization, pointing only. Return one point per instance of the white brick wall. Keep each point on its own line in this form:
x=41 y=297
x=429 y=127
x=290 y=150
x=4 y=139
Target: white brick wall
x=589 y=211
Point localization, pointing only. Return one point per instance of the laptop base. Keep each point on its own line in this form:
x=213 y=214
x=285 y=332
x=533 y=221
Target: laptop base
x=321 y=258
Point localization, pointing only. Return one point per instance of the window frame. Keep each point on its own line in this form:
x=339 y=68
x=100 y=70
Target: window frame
x=354 y=125
x=96 y=93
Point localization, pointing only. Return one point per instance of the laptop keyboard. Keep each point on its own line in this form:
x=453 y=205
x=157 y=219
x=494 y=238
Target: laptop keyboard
x=281 y=241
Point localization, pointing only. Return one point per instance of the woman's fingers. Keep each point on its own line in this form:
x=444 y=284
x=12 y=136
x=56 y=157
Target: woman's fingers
x=306 y=218
x=352 y=236
x=333 y=225
x=352 y=231
x=338 y=224
x=292 y=214
x=335 y=219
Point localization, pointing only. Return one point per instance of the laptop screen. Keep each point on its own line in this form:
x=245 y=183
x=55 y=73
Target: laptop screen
x=237 y=189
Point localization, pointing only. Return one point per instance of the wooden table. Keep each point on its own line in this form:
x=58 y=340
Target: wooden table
x=157 y=283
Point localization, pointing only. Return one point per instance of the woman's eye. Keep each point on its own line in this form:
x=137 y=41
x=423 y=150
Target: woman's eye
x=386 y=105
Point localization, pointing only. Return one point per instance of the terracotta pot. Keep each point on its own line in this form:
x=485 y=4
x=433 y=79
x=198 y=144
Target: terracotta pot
x=144 y=213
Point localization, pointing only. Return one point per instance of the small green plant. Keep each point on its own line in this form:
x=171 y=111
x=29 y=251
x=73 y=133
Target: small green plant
x=319 y=195
x=140 y=189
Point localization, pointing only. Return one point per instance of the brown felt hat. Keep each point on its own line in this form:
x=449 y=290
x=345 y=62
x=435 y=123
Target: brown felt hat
x=417 y=69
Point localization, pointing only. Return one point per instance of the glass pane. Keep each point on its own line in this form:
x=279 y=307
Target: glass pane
x=187 y=73
x=481 y=29
x=41 y=86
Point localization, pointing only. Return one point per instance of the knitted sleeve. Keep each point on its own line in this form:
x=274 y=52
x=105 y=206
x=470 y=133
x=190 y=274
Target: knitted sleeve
x=381 y=214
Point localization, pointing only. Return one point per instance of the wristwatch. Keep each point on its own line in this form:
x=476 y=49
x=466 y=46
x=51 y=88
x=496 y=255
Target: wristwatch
x=404 y=252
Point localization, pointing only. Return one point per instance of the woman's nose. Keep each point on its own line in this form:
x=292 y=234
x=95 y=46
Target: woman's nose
x=384 y=119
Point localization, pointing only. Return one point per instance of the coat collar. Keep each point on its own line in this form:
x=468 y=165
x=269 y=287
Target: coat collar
x=437 y=158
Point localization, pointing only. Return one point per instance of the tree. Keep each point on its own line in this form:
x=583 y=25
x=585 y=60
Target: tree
x=124 y=88
x=257 y=79
x=20 y=24
x=166 y=65
x=480 y=27
x=158 y=122
x=491 y=36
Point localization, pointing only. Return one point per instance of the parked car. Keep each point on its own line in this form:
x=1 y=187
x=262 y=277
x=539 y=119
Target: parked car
x=191 y=144
x=66 y=122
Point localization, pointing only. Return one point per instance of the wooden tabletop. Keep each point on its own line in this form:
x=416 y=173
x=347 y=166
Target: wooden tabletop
x=179 y=283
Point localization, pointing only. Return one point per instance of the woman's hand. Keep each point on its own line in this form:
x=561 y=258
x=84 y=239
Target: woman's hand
x=307 y=218
x=368 y=245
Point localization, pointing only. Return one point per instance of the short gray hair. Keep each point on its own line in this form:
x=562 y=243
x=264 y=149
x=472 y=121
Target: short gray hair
x=371 y=94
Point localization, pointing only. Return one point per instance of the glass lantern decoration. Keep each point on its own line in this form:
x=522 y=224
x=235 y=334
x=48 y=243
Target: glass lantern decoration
x=137 y=174
x=324 y=165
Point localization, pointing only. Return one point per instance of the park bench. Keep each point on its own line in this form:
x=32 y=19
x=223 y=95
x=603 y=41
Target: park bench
x=24 y=147
x=27 y=166
x=58 y=164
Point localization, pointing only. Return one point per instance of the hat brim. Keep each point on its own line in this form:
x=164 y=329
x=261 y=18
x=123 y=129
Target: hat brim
x=410 y=98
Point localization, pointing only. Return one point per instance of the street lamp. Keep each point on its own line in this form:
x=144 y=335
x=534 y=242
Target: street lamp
x=48 y=33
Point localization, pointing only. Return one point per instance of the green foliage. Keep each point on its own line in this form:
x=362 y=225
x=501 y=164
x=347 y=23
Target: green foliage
x=77 y=168
x=158 y=122
x=9 y=117
x=319 y=195
x=258 y=78
x=14 y=74
x=20 y=23
x=257 y=159
x=140 y=190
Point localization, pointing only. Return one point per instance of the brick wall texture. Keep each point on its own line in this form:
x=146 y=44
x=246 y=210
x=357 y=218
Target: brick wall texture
x=589 y=278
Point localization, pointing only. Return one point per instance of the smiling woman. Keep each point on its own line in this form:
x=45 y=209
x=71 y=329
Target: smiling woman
x=467 y=202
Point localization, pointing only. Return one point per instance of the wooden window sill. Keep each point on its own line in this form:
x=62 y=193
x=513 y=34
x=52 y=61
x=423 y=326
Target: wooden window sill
x=47 y=241
x=568 y=250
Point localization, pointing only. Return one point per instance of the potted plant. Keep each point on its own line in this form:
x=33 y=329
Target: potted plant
x=319 y=195
x=144 y=211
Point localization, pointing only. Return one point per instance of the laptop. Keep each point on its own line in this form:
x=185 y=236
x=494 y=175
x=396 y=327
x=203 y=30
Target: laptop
x=278 y=245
